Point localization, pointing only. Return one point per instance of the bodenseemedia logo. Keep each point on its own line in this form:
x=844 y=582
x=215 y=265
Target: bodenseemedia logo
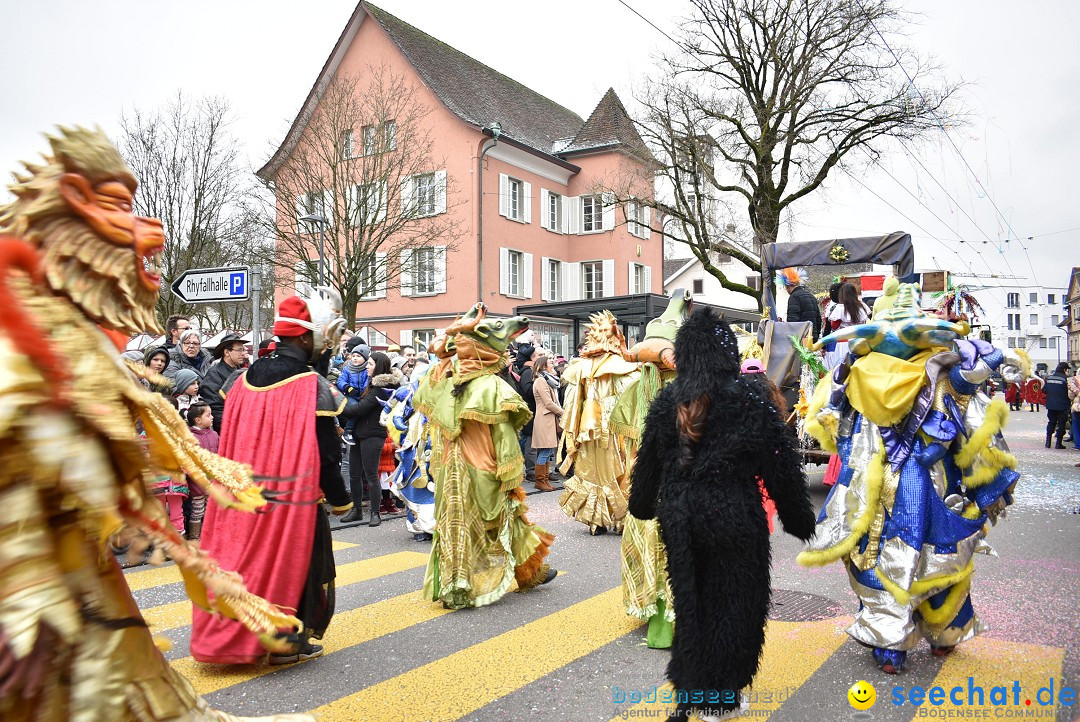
x=974 y=701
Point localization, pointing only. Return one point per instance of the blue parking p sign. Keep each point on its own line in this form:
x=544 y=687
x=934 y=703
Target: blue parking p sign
x=238 y=285
x=213 y=285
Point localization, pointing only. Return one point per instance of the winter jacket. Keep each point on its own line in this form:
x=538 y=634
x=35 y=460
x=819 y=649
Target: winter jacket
x=210 y=389
x=525 y=388
x=1056 y=389
x=209 y=440
x=802 y=306
x=1074 y=391
x=366 y=411
x=179 y=360
x=548 y=413
x=352 y=381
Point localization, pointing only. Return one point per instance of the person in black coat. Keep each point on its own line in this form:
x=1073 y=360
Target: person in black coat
x=231 y=355
x=370 y=435
x=801 y=305
x=709 y=436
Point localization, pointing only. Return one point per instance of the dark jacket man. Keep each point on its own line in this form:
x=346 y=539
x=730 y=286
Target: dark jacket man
x=231 y=356
x=802 y=306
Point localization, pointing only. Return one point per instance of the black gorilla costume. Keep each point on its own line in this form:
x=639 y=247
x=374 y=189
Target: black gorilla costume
x=711 y=518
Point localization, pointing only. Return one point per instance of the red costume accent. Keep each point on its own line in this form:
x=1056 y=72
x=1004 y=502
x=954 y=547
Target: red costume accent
x=271 y=551
x=1033 y=393
x=1012 y=393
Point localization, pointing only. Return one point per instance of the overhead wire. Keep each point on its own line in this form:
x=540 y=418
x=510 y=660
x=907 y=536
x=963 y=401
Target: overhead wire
x=956 y=148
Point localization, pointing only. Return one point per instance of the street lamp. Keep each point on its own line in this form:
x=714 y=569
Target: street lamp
x=316 y=218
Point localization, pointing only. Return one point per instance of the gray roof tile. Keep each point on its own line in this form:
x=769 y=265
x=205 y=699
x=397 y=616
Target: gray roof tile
x=478 y=94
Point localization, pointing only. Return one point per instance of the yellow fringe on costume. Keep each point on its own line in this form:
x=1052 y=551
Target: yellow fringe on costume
x=981 y=461
x=875 y=473
x=825 y=427
x=939 y=618
x=924 y=586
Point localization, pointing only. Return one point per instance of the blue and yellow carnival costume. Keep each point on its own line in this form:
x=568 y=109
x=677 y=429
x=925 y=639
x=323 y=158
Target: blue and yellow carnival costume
x=925 y=473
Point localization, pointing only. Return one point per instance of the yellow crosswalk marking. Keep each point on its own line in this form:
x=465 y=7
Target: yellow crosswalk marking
x=348 y=629
x=993 y=663
x=465 y=681
x=178 y=614
x=793 y=652
x=170 y=573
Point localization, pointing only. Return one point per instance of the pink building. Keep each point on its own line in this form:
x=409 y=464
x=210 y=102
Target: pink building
x=534 y=226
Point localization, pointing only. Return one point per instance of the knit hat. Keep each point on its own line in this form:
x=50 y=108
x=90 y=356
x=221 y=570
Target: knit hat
x=154 y=351
x=183 y=379
x=356 y=345
x=398 y=361
x=289 y=312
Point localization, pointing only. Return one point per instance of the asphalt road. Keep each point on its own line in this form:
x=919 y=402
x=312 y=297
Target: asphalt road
x=567 y=652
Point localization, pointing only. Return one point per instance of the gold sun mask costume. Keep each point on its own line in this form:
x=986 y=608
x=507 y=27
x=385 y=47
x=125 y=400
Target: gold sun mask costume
x=75 y=259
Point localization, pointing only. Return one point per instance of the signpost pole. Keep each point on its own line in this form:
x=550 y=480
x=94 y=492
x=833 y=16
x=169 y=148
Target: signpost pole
x=256 y=293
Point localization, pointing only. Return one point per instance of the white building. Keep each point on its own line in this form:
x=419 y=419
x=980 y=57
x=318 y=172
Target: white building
x=690 y=274
x=1027 y=318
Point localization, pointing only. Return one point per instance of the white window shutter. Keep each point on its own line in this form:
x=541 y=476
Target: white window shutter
x=545 y=277
x=504 y=271
x=440 y=269
x=630 y=285
x=380 y=275
x=631 y=217
x=407 y=209
x=609 y=277
x=564 y=209
x=527 y=274
x=504 y=194
x=648 y=279
x=406 y=338
x=646 y=230
x=544 y=202
x=440 y=191
x=405 y=259
x=572 y=281
x=609 y=211
x=380 y=202
x=572 y=214
x=527 y=215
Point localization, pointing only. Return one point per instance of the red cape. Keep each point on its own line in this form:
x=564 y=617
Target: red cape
x=273 y=429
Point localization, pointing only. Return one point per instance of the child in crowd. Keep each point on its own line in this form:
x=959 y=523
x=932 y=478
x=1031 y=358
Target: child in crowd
x=353 y=380
x=201 y=421
x=185 y=389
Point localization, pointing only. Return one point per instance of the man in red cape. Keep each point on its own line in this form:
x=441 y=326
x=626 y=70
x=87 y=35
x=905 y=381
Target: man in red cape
x=279 y=419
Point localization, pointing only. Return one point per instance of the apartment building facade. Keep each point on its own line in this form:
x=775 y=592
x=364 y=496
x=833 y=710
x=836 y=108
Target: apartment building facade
x=1028 y=318
x=520 y=177
x=1071 y=326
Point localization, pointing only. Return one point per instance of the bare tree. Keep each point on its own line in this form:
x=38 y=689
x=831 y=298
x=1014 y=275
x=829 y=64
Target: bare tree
x=191 y=177
x=762 y=100
x=364 y=162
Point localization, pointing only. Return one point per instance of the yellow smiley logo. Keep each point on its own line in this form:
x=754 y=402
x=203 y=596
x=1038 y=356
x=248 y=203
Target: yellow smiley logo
x=862 y=695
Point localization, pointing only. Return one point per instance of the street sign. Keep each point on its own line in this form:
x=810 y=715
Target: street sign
x=213 y=285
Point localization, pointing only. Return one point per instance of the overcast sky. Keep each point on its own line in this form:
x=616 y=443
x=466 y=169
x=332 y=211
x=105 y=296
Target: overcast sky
x=77 y=62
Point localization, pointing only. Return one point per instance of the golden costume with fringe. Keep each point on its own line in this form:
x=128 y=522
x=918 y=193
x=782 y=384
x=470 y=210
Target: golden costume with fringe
x=74 y=471
x=597 y=493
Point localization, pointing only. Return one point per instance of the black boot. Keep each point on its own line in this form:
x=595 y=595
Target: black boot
x=354 y=514
x=1048 y=441
x=1059 y=445
x=375 y=494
